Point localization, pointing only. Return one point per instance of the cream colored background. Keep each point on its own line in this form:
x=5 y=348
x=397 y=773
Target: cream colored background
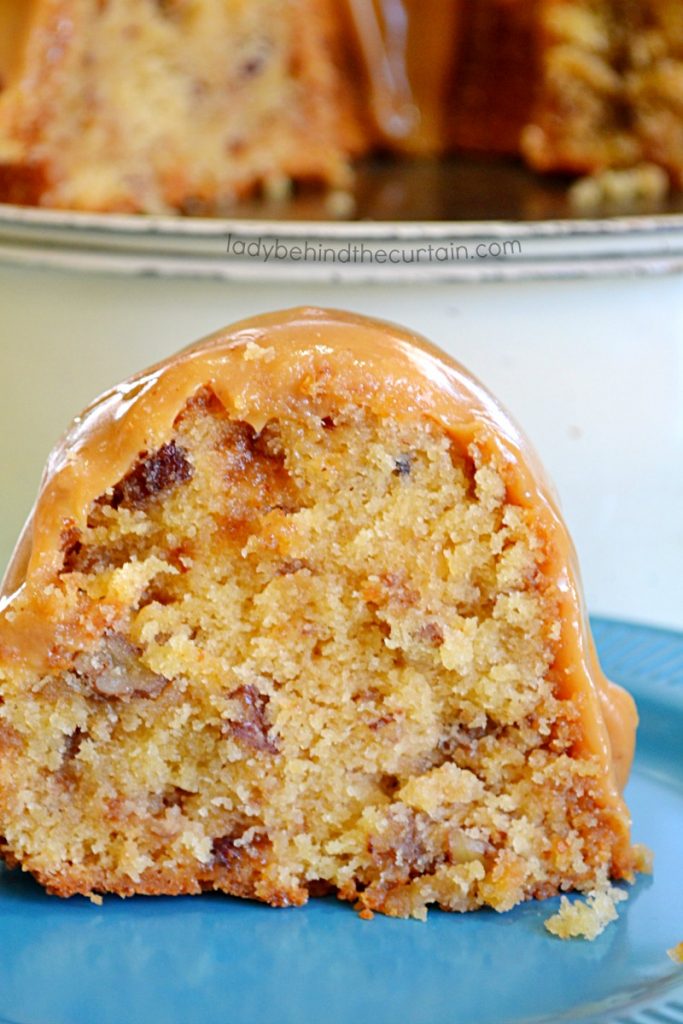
x=593 y=370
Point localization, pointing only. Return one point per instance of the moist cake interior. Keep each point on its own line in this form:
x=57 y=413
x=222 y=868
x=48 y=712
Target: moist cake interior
x=313 y=658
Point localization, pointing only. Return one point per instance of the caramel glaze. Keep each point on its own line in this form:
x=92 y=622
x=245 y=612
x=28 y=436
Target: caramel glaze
x=309 y=359
x=18 y=18
x=446 y=74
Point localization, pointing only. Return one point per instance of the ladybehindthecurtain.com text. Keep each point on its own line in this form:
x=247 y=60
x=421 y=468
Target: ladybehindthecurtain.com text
x=267 y=249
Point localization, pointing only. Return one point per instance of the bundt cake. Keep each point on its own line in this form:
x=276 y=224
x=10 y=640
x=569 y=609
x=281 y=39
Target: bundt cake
x=157 y=105
x=163 y=105
x=296 y=613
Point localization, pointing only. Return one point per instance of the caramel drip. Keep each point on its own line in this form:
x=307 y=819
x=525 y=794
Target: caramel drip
x=15 y=20
x=381 y=42
x=406 y=47
x=386 y=369
x=447 y=73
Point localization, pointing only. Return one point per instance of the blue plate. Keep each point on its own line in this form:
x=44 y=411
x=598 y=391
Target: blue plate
x=214 y=960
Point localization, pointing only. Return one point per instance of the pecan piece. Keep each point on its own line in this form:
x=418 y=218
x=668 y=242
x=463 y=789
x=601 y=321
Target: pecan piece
x=252 y=729
x=152 y=475
x=114 y=670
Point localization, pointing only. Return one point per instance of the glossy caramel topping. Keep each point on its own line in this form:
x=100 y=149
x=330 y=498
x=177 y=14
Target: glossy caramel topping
x=408 y=50
x=443 y=74
x=274 y=365
x=15 y=20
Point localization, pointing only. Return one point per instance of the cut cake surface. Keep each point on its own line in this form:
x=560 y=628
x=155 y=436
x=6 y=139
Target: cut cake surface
x=296 y=613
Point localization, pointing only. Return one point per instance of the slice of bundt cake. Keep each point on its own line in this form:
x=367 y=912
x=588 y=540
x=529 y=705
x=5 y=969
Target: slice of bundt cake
x=296 y=612
x=164 y=105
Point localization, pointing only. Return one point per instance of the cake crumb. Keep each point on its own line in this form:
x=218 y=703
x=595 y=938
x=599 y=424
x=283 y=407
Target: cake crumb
x=644 y=858
x=277 y=188
x=586 y=918
x=95 y=899
x=620 y=188
x=341 y=203
x=676 y=953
